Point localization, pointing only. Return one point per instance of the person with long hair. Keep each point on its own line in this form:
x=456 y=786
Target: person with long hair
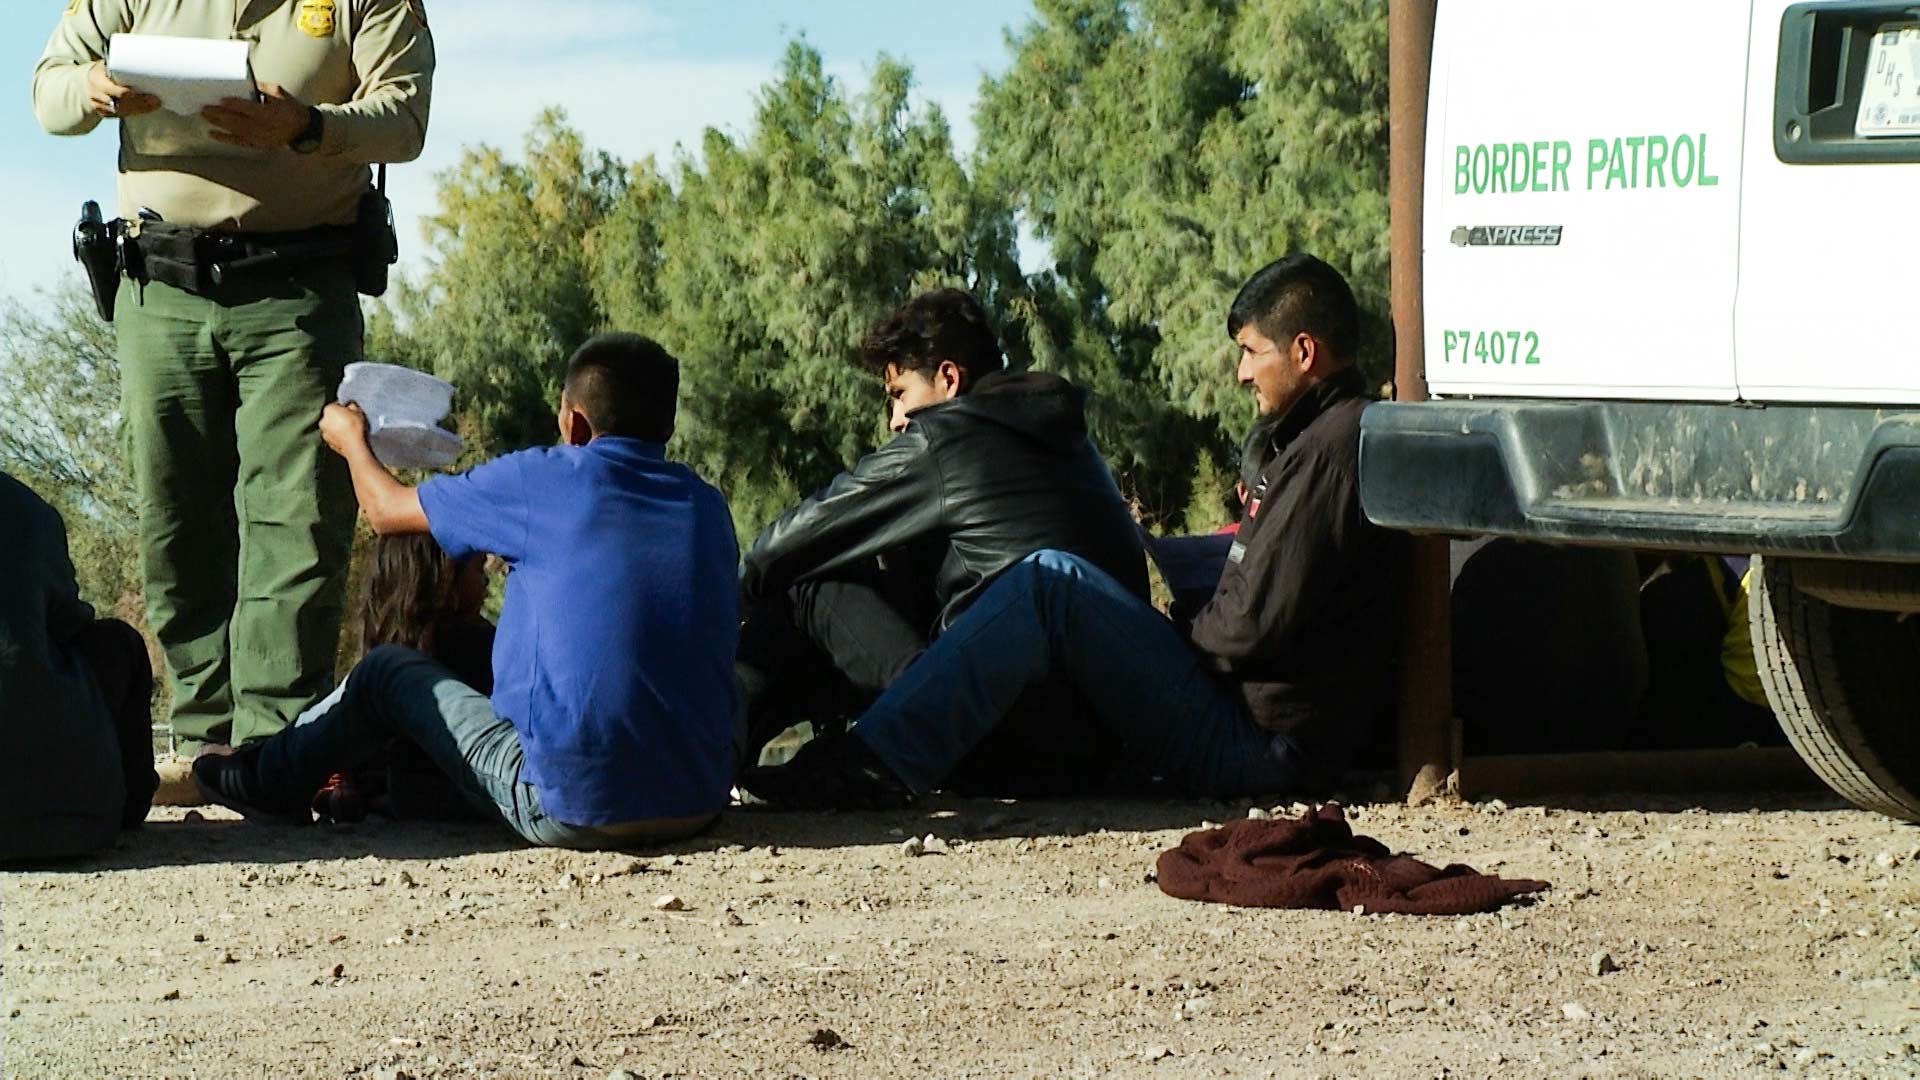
x=414 y=595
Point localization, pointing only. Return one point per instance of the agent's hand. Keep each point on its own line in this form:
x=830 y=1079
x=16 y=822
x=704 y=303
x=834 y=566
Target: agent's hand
x=344 y=427
x=267 y=124
x=109 y=99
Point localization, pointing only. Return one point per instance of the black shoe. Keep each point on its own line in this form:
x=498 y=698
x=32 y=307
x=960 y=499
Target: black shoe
x=233 y=781
x=833 y=772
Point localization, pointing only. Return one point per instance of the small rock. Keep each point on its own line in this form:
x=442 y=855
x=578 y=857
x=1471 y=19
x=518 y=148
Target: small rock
x=1155 y=1053
x=1601 y=963
x=1255 y=813
x=1493 y=806
x=729 y=919
x=669 y=902
x=339 y=971
x=199 y=938
x=913 y=847
x=1573 y=1010
x=621 y=1074
x=1405 y=1005
x=1596 y=833
x=406 y=880
x=934 y=845
x=759 y=877
x=826 y=1039
x=567 y=881
x=171 y=995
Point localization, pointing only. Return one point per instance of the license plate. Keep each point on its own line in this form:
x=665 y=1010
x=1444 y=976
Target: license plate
x=1890 y=100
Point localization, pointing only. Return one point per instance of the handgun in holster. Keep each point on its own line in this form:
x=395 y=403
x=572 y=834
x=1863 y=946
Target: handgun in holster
x=96 y=246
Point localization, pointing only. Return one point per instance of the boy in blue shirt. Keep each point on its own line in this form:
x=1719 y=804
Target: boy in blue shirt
x=610 y=722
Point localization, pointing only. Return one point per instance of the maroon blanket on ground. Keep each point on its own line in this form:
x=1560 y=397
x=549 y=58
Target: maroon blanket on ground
x=1317 y=862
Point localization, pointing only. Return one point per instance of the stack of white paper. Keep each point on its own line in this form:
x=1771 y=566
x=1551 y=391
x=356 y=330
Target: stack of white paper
x=186 y=74
x=403 y=408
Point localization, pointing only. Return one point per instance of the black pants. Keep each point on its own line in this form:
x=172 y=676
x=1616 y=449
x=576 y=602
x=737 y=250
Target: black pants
x=117 y=654
x=822 y=652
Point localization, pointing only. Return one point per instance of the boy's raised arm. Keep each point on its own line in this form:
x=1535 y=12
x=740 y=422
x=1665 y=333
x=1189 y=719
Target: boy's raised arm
x=391 y=507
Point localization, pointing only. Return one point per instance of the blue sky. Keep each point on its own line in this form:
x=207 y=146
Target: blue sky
x=635 y=76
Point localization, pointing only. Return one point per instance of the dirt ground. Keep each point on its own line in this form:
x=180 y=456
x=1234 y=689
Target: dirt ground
x=1782 y=937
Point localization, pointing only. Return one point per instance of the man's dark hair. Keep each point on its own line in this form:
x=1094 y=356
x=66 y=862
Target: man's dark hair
x=945 y=324
x=1295 y=294
x=627 y=385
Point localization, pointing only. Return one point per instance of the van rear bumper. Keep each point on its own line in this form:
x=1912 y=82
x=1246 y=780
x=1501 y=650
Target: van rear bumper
x=1824 y=481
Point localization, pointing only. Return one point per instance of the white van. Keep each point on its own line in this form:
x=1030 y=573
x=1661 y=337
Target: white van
x=1672 y=300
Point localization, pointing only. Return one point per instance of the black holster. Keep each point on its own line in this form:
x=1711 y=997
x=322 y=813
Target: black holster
x=376 y=244
x=96 y=246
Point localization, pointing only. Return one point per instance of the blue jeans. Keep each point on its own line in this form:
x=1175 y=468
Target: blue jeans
x=398 y=691
x=1056 y=615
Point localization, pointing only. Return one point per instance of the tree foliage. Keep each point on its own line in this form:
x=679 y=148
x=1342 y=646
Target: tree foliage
x=59 y=389
x=1166 y=149
x=768 y=259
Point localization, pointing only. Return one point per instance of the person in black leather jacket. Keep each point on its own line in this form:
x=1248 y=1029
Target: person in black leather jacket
x=986 y=467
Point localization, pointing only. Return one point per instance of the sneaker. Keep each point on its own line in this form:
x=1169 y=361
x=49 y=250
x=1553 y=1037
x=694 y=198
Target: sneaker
x=233 y=781
x=833 y=772
x=342 y=801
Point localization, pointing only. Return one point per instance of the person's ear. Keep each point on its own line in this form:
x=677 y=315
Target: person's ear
x=949 y=380
x=574 y=428
x=1309 y=351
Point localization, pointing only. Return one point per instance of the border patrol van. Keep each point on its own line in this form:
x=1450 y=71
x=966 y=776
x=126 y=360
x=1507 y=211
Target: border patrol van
x=1672 y=301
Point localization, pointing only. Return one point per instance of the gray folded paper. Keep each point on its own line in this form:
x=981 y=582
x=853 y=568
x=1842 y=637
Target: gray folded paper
x=404 y=408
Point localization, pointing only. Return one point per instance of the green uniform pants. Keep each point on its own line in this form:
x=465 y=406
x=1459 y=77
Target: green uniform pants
x=246 y=518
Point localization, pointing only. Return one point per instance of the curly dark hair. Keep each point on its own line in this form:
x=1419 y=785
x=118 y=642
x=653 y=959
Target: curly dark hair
x=945 y=324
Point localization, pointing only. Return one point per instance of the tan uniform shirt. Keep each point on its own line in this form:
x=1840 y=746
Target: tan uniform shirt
x=368 y=64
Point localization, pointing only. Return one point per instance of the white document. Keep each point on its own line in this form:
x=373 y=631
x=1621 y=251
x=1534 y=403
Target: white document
x=403 y=409
x=186 y=74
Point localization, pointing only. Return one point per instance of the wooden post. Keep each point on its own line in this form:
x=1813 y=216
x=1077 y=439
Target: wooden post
x=1429 y=738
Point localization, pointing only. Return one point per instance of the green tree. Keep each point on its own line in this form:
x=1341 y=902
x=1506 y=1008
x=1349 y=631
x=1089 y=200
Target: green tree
x=508 y=296
x=764 y=263
x=1168 y=148
x=59 y=387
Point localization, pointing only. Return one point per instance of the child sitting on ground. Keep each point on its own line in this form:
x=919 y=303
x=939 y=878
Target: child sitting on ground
x=610 y=721
x=413 y=594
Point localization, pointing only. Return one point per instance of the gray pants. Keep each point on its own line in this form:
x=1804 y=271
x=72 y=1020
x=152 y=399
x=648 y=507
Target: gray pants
x=398 y=691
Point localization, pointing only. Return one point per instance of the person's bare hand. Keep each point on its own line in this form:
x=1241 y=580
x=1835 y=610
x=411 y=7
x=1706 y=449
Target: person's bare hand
x=108 y=98
x=267 y=124
x=344 y=427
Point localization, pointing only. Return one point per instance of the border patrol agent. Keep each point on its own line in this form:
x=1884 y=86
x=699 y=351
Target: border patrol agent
x=244 y=245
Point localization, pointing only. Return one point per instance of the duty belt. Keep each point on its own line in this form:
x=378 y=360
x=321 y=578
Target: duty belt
x=199 y=260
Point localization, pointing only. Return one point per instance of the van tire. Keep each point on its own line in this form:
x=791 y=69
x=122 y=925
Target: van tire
x=1867 y=585
x=1842 y=683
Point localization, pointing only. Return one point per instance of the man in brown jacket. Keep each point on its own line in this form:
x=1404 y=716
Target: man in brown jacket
x=1267 y=689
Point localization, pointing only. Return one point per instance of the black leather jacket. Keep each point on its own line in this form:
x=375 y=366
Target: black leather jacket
x=975 y=485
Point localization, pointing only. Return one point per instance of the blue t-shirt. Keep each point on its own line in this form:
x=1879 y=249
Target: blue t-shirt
x=614 y=659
